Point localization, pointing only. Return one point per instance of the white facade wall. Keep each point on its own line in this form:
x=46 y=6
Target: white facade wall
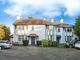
x=38 y=30
x=55 y=32
x=62 y=40
x=62 y=33
x=66 y=34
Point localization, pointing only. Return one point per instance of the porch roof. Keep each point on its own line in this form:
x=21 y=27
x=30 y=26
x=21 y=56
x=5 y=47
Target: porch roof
x=32 y=35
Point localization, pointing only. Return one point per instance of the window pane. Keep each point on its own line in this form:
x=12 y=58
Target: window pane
x=26 y=27
x=19 y=27
x=25 y=37
x=21 y=37
x=58 y=29
x=67 y=37
x=22 y=27
x=67 y=30
x=32 y=27
x=70 y=30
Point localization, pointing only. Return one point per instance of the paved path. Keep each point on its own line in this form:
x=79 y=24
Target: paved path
x=36 y=53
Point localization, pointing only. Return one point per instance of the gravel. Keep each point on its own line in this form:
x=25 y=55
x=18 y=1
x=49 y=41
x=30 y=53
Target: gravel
x=38 y=53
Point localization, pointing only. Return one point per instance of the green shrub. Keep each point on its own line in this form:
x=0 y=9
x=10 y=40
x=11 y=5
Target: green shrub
x=55 y=43
x=45 y=43
x=60 y=45
x=25 y=42
x=68 y=41
x=50 y=43
x=38 y=43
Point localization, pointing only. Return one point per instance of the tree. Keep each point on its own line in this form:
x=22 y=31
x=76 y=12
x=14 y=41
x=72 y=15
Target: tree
x=77 y=27
x=7 y=32
x=4 y=32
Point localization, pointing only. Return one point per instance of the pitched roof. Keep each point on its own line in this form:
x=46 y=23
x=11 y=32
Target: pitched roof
x=32 y=35
x=32 y=21
x=64 y=25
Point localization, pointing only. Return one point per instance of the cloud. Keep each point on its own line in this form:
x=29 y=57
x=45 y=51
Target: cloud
x=15 y=10
x=46 y=7
x=73 y=7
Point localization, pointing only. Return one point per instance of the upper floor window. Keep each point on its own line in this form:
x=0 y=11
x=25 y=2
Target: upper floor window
x=26 y=27
x=58 y=29
x=32 y=27
x=69 y=30
x=20 y=27
x=64 y=29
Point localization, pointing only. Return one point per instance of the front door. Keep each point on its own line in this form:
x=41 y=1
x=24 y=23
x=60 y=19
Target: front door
x=33 y=41
x=58 y=39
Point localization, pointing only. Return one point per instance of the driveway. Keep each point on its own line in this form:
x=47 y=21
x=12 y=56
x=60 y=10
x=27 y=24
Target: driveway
x=37 y=53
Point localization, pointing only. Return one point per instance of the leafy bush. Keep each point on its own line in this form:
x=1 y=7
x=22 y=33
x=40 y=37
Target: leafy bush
x=55 y=43
x=50 y=43
x=68 y=41
x=38 y=43
x=15 y=43
x=45 y=43
x=60 y=45
x=25 y=42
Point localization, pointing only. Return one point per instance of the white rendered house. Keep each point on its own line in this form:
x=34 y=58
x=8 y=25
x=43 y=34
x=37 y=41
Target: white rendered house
x=33 y=29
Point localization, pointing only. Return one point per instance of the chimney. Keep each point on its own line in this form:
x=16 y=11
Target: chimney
x=52 y=19
x=18 y=17
x=30 y=17
x=44 y=18
x=61 y=21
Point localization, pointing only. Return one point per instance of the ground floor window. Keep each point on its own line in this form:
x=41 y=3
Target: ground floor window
x=51 y=37
x=22 y=37
x=68 y=38
x=65 y=38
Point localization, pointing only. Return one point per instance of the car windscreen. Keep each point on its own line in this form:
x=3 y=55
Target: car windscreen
x=78 y=42
x=3 y=42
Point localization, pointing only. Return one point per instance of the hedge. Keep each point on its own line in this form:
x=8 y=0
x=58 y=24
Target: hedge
x=25 y=42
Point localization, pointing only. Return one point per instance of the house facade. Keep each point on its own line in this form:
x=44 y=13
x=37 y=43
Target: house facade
x=34 y=29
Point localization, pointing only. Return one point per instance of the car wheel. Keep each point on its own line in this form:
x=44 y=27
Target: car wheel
x=70 y=46
x=78 y=48
x=2 y=47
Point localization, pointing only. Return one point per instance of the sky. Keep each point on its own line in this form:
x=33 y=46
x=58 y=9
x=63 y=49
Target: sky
x=65 y=9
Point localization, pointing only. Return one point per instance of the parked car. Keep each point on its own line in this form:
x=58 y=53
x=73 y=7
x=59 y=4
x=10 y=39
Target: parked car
x=4 y=44
x=77 y=44
x=70 y=44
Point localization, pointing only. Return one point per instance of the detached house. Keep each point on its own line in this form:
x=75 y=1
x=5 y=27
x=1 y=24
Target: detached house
x=34 y=29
